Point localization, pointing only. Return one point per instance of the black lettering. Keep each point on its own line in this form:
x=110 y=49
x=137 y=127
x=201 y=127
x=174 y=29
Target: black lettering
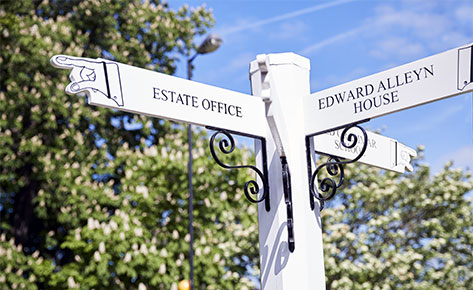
x=172 y=95
x=367 y=101
x=380 y=101
x=330 y=98
x=230 y=107
x=386 y=99
x=417 y=73
x=156 y=93
x=220 y=106
x=381 y=85
x=358 y=107
x=370 y=90
x=226 y=108
x=165 y=96
x=350 y=95
x=205 y=104
x=389 y=84
x=194 y=102
x=359 y=91
x=394 y=96
x=187 y=99
x=321 y=103
x=179 y=99
x=340 y=97
x=431 y=71
x=397 y=81
x=239 y=114
x=408 y=77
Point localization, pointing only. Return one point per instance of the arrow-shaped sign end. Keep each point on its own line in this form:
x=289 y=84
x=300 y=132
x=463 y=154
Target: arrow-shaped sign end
x=404 y=157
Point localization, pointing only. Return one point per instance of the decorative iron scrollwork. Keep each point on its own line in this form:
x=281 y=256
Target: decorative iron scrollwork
x=251 y=187
x=286 y=180
x=328 y=186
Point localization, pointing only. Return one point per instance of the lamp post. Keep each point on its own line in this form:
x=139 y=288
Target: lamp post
x=210 y=44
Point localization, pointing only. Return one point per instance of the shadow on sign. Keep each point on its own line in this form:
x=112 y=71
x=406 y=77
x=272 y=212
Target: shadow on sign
x=280 y=259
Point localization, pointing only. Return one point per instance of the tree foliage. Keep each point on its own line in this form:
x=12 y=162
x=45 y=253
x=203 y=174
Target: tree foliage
x=97 y=198
x=391 y=231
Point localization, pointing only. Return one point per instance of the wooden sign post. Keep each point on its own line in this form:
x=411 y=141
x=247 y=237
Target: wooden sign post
x=290 y=125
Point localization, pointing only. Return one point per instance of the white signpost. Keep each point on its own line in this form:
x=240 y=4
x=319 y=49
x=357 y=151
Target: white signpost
x=383 y=152
x=286 y=116
x=426 y=80
x=282 y=80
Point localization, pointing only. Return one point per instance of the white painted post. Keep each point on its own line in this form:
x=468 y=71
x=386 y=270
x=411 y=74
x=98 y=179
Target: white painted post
x=282 y=80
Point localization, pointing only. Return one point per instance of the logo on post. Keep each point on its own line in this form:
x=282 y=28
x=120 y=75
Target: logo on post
x=95 y=77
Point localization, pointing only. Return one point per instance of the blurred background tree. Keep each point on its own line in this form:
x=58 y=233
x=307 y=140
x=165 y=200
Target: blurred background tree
x=391 y=231
x=97 y=198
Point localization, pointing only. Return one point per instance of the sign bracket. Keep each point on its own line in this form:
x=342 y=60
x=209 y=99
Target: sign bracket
x=334 y=165
x=286 y=179
x=227 y=146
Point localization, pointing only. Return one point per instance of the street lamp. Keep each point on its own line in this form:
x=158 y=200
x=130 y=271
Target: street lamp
x=210 y=44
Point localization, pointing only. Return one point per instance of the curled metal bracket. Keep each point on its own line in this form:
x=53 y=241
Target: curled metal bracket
x=286 y=179
x=328 y=186
x=227 y=146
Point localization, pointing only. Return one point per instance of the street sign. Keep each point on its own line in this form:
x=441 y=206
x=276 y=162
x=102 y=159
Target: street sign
x=383 y=152
x=127 y=88
x=426 y=80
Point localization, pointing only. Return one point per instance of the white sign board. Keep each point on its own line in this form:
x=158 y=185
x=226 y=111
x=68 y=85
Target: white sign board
x=124 y=87
x=426 y=80
x=381 y=151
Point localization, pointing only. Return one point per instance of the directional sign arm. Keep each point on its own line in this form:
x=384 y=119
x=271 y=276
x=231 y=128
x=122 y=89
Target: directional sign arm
x=124 y=87
x=426 y=80
x=381 y=151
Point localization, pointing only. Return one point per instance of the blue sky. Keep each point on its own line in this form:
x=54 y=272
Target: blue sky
x=346 y=40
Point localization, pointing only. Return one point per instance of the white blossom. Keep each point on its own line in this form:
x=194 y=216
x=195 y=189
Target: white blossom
x=144 y=249
x=162 y=268
x=97 y=256
x=138 y=232
x=102 y=247
x=175 y=234
x=71 y=283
